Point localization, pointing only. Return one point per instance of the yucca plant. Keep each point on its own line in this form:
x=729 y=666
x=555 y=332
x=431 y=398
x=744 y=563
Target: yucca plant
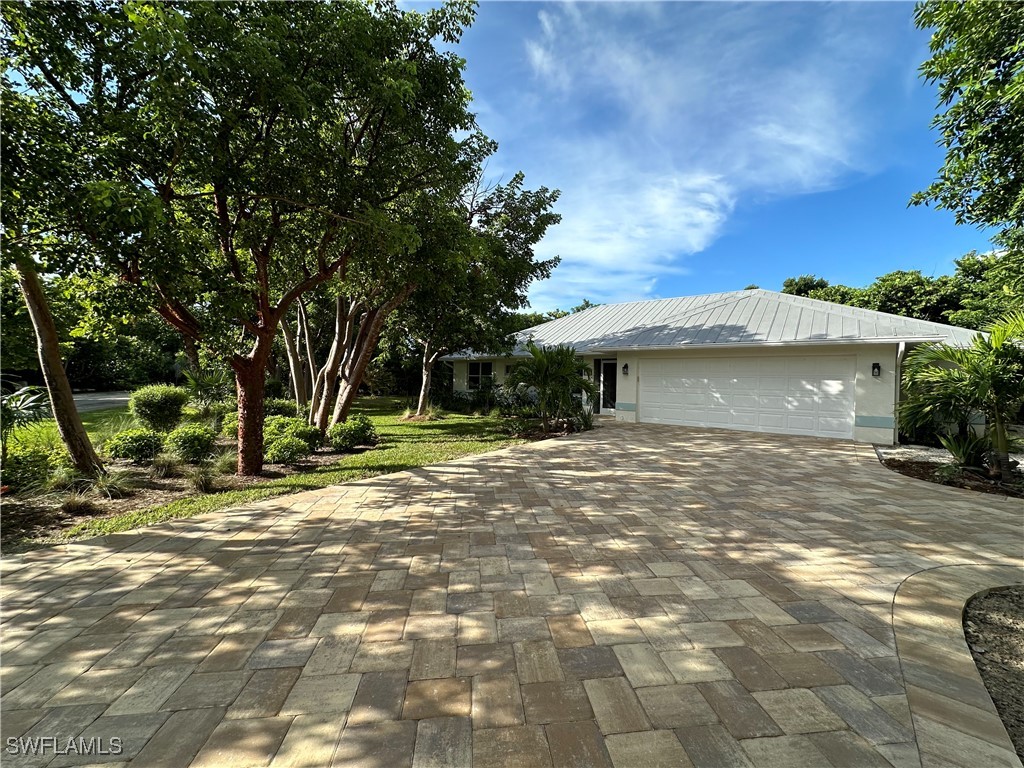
x=948 y=384
x=559 y=377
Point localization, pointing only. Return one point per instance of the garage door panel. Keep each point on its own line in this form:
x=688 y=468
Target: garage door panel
x=810 y=395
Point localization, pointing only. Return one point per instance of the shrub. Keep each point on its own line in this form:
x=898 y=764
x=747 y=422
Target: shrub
x=114 y=484
x=139 y=445
x=516 y=401
x=357 y=430
x=229 y=426
x=26 y=468
x=158 y=406
x=226 y=463
x=283 y=426
x=200 y=479
x=274 y=388
x=192 y=442
x=66 y=479
x=285 y=450
x=207 y=387
x=279 y=406
x=77 y=504
x=165 y=465
x=967 y=451
x=948 y=474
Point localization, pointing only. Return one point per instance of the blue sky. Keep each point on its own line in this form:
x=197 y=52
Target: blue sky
x=701 y=147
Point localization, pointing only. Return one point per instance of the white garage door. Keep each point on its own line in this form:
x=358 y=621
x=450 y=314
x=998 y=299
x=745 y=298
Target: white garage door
x=806 y=395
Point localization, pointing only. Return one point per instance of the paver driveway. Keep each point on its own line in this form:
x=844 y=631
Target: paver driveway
x=637 y=595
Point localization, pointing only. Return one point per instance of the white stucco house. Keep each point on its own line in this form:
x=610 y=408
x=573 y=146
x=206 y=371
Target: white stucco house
x=751 y=360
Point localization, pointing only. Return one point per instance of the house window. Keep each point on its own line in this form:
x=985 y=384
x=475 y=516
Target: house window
x=479 y=375
x=508 y=369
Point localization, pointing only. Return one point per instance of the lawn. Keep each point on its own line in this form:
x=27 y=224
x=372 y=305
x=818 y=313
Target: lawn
x=403 y=445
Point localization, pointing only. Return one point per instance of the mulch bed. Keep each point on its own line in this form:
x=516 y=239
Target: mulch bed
x=925 y=470
x=994 y=627
x=37 y=517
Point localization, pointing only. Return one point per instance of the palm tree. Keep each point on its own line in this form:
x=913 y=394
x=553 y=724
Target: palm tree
x=559 y=376
x=946 y=384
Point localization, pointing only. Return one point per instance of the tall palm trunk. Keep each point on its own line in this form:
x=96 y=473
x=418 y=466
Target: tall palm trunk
x=65 y=413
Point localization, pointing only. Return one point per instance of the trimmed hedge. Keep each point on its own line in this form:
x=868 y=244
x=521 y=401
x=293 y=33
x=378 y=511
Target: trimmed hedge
x=283 y=426
x=285 y=450
x=158 y=406
x=138 y=445
x=357 y=430
x=192 y=442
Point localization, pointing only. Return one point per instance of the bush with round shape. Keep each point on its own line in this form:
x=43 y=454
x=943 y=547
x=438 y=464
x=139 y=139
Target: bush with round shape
x=158 y=406
x=192 y=442
x=283 y=426
x=138 y=445
x=285 y=450
x=357 y=430
x=279 y=406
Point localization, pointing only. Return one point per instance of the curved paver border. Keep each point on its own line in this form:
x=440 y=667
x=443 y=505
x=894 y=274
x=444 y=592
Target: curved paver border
x=953 y=715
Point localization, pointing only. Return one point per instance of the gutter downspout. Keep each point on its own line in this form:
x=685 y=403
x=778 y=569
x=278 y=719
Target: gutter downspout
x=901 y=352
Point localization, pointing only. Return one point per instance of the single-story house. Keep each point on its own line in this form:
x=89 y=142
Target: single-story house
x=751 y=360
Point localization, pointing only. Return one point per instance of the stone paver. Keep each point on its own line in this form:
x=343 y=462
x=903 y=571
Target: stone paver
x=635 y=595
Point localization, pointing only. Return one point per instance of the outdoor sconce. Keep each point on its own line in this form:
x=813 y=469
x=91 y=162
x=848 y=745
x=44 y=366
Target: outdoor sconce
x=876 y=369
x=625 y=369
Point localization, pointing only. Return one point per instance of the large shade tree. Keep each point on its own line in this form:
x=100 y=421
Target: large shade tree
x=485 y=275
x=977 y=63
x=240 y=155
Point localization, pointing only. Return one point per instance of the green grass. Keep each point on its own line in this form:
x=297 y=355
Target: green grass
x=403 y=445
x=99 y=424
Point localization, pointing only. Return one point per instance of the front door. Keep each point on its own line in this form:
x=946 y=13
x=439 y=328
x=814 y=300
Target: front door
x=608 y=381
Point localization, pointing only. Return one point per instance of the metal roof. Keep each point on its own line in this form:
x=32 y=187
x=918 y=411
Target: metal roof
x=738 y=318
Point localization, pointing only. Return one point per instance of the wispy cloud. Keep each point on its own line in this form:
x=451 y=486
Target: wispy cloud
x=657 y=121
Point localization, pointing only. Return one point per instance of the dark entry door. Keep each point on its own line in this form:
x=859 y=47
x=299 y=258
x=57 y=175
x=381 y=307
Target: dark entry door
x=608 y=381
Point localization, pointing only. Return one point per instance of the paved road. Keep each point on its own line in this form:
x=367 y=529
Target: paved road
x=97 y=401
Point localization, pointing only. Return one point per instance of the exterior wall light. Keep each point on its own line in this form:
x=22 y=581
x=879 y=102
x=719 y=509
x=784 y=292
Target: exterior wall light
x=625 y=369
x=876 y=369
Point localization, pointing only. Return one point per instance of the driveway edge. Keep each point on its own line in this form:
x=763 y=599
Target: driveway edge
x=955 y=721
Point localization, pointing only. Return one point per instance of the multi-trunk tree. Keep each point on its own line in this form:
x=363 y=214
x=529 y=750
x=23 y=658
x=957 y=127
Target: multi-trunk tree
x=241 y=155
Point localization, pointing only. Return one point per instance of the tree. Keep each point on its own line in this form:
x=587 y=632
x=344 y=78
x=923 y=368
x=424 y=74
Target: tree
x=947 y=384
x=242 y=155
x=977 y=62
x=803 y=285
x=559 y=376
x=585 y=304
x=37 y=149
x=989 y=286
x=469 y=307
x=911 y=294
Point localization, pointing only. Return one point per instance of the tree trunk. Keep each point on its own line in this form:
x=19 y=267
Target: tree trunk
x=362 y=353
x=250 y=380
x=69 y=423
x=1001 y=446
x=294 y=365
x=429 y=359
x=327 y=377
x=307 y=371
x=191 y=352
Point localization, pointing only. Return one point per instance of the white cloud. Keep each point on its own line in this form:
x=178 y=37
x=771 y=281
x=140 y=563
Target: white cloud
x=656 y=121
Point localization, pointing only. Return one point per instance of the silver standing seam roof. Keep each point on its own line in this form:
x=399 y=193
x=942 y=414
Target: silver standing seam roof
x=734 y=319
